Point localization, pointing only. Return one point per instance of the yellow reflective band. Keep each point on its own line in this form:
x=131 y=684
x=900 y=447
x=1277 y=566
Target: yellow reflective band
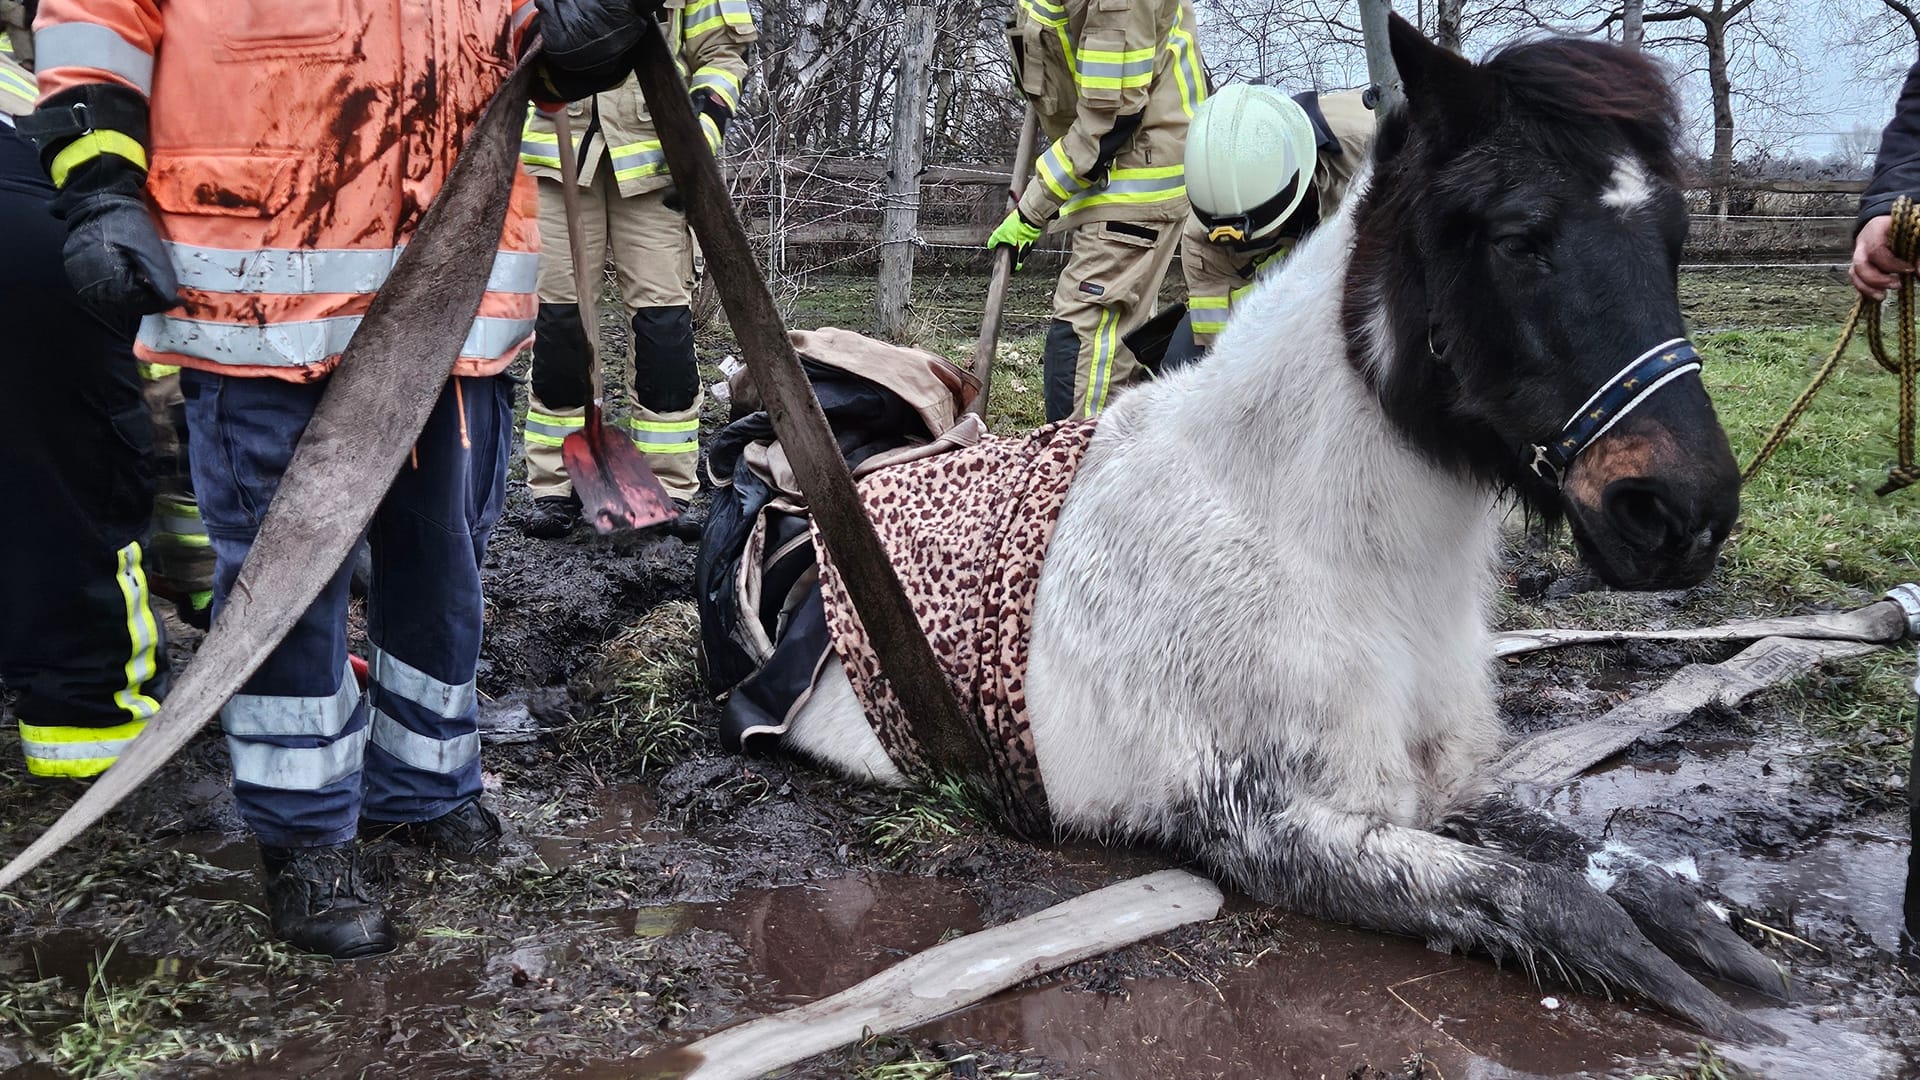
x=537 y=417
x=143 y=636
x=1045 y=12
x=91 y=145
x=68 y=769
x=156 y=372
x=1103 y=69
x=1240 y=293
x=69 y=736
x=20 y=86
x=538 y=439
x=1209 y=326
x=1102 y=372
x=1136 y=187
x=1187 y=72
x=715 y=14
x=200 y=600
x=198 y=540
x=668 y=426
x=75 y=752
x=1207 y=303
x=722 y=83
x=6 y=43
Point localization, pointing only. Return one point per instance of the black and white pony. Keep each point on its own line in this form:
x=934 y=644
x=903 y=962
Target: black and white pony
x=1261 y=631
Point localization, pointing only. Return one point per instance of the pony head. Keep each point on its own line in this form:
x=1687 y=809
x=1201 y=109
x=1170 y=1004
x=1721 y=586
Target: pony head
x=1513 y=300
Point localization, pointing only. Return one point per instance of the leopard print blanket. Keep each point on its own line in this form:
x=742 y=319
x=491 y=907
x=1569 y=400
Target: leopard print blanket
x=967 y=532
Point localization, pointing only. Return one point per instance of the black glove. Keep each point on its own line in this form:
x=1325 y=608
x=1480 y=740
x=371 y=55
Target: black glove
x=589 y=35
x=114 y=257
x=707 y=103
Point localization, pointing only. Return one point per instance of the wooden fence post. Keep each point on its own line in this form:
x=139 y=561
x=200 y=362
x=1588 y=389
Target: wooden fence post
x=901 y=217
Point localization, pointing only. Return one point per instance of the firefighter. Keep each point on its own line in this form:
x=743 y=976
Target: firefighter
x=80 y=643
x=1114 y=83
x=244 y=173
x=631 y=212
x=1262 y=170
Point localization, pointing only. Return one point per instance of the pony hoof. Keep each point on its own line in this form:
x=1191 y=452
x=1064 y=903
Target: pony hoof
x=1673 y=915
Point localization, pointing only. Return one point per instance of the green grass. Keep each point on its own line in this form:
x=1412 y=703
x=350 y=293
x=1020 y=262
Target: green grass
x=646 y=709
x=119 y=1028
x=922 y=821
x=890 y=1057
x=1708 y=1066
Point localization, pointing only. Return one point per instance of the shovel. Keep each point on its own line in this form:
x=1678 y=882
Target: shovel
x=989 y=342
x=616 y=488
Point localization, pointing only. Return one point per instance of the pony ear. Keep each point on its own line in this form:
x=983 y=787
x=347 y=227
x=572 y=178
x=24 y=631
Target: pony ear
x=1443 y=88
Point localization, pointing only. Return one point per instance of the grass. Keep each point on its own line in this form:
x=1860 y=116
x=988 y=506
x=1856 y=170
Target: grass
x=1708 y=1066
x=646 y=709
x=921 y=821
x=889 y=1057
x=118 y=1028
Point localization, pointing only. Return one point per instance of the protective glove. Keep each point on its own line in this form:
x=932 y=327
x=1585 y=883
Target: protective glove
x=92 y=141
x=592 y=35
x=1017 y=233
x=713 y=114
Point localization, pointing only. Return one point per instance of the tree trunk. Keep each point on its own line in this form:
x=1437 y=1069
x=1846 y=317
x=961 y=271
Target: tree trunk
x=1380 y=70
x=902 y=215
x=1630 y=30
x=1446 y=24
x=1720 y=169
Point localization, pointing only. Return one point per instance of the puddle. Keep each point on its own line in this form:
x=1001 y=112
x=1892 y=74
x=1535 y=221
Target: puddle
x=615 y=814
x=1856 y=875
x=1325 y=1002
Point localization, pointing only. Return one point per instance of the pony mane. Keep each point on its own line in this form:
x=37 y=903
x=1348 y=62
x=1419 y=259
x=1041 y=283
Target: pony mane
x=1568 y=91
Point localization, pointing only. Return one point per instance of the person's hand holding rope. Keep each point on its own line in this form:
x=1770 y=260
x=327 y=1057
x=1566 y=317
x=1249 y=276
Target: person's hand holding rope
x=1875 y=267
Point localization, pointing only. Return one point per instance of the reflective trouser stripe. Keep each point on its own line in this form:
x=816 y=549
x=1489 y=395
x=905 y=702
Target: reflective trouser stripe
x=545 y=429
x=296 y=344
x=1209 y=313
x=249 y=717
x=91 y=45
x=180 y=519
x=666 y=437
x=76 y=752
x=389 y=675
x=143 y=636
x=309 y=271
x=1104 y=339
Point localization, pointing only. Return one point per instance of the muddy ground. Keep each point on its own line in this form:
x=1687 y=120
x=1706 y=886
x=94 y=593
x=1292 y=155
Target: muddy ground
x=657 y=888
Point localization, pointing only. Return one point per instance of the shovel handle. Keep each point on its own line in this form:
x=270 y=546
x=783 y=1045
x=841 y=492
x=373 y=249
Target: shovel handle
x=585 y=282
x=989 y=341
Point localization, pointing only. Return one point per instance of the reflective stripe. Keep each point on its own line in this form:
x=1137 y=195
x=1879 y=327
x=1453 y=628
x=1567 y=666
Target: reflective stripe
x=83 y=44
x=724 y=85
x=521 y=17
x=156 y=372
x=294 y=344
x=443 y=756
x=1209 y=313
x=6 y=43
x=1188 y=72
x=18 y=85
x=143 y=636
x=394 y=675
x=306 y=271
x=539 y=148
x=715 y=13
x=638 y=159
x=1154 y=184
x=72 y=746
x=666 y=436
x=201 y=599
x=255 y=715
x=1057 y=172
x=1106 y=70
x=91 y=145
x=1045 y=12
x=545 y=429
x=711 y=128
x=298 y=768
x=1102 y=369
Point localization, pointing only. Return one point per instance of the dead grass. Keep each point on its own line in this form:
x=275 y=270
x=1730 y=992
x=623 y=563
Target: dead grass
x=644 y=695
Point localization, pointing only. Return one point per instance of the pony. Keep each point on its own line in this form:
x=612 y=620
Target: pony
x=1260 y=637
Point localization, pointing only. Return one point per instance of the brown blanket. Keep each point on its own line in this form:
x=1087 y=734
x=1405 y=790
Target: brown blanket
x=967 y=532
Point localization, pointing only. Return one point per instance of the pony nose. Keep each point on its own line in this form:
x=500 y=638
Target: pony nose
x=1646 y=514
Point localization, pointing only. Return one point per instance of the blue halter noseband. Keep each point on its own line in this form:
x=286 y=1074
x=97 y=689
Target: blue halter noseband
x=1610 y=404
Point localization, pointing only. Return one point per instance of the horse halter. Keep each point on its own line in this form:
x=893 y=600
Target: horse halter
x=1610 y=404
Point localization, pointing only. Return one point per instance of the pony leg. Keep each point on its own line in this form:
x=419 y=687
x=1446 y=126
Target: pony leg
x=1360 y=869
x=1671 y=912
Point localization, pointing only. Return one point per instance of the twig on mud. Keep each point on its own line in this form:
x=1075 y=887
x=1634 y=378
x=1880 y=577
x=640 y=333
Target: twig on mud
x=1429 y=1021
x=1758 y=925
x=1211 y=985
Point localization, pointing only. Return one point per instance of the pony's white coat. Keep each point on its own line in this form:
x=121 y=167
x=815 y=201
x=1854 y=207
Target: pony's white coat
x=1252 y=566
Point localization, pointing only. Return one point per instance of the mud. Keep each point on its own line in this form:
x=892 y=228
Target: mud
x=649 y=898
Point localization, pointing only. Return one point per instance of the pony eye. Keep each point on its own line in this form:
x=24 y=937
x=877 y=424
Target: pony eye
x=1513 y=246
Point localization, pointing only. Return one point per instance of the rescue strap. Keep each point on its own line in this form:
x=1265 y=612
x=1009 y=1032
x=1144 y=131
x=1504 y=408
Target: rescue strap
x=1905 y=241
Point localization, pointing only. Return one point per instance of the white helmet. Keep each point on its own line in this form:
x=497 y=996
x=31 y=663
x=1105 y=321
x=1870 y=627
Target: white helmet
x=1251 y=152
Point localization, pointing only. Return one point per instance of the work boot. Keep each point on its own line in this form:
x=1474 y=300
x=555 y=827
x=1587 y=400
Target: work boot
x=469 y=830
x=691 y=522
x=551 y=517
x=319 y=903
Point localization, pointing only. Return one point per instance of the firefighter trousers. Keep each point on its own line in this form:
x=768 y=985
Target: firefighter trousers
x=80 y=645
x=652 y=254
x=182 y=569
x=311 y=753
x=1110 y=286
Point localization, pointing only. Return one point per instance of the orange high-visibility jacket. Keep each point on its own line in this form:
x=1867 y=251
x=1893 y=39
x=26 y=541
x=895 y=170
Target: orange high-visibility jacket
x=296 y=144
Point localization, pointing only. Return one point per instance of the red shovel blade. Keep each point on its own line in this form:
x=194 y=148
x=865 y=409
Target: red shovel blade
x=616 y=488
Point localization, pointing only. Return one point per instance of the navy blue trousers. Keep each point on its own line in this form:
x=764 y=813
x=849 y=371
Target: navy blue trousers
x=312 y=755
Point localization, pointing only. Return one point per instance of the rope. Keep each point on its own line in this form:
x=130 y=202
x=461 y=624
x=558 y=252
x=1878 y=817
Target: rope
x=1905 y=241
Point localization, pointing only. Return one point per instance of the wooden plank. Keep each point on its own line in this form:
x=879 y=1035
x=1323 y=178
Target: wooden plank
x=1883 y=623
x=947 y=977
x=1557 y=756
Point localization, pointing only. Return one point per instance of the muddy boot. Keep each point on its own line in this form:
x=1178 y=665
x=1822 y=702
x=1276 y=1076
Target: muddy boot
x=551 y=517
x=469 y=830
x=691 y=522
x=319 y=903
